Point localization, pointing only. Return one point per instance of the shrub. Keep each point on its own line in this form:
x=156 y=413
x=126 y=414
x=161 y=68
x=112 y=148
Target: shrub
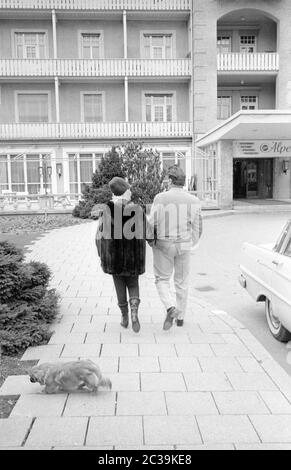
x=141 y=167
x=27 y=307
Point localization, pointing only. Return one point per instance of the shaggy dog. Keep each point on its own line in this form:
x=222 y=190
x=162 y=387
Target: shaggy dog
x=69 y=377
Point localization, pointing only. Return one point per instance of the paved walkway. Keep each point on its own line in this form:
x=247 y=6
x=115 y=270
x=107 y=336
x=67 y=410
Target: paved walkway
x=209 y=385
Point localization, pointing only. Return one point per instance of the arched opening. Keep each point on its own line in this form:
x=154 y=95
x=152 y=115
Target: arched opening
x=248 y=62
x=249 y=31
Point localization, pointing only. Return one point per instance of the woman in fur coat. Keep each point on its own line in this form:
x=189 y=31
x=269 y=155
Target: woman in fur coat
x=122 y=248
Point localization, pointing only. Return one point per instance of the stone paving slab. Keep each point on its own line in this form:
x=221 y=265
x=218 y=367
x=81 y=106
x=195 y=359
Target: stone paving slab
x=171 y=430
x=13 y=431
x=97 y=404
x=58 y=432
x=117 y=431
x=240 y=403
x=225 y=429
x=190 y=404
x=141 y=403
x=40 y=405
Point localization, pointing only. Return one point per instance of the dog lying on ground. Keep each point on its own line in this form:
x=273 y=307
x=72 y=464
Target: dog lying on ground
x=69 y=377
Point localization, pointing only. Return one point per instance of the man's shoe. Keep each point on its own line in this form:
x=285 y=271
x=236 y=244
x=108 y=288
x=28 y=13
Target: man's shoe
x=172 y=313
x=180 y=323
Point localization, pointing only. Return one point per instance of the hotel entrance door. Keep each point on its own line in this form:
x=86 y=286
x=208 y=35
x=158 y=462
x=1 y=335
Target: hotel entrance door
x=253 y=179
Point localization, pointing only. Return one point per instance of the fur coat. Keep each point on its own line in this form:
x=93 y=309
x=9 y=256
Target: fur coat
x=121 y=251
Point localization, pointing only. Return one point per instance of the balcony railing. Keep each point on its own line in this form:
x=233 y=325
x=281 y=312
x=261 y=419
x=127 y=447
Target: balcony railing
x=259 y=62
x=101 y=130
x=95 y=68
x=96 y=4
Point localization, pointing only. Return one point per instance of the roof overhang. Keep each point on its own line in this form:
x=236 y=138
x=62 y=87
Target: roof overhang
x=255 y=125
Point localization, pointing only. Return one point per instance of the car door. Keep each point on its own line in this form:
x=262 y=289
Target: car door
x=281 y=282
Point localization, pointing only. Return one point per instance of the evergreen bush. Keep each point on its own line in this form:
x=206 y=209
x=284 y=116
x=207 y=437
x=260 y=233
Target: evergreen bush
x=27 y=306
x=140 y=166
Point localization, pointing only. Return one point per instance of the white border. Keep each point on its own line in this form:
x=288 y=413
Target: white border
x=159 y=92
x=33 y=92
x=28 y=31
x=91 y=31
x=158 y=32
x=102 y=93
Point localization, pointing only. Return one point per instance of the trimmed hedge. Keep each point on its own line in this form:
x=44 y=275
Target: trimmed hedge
x=27 y=306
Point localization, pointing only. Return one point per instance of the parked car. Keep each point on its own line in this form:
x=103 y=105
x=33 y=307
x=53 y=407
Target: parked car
x=266 y=275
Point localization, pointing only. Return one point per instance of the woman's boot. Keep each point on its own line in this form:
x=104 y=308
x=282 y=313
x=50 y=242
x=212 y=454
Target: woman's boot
x=124 y=315
x=134 y=304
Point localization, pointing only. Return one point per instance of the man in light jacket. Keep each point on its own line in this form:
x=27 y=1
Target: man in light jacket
x=176 y=219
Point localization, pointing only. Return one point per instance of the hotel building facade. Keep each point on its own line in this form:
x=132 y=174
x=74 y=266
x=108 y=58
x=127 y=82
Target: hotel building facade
x=205 y=82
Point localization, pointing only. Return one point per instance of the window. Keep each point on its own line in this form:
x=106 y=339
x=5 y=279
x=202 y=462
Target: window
x=159 y=107
x=92 y=45
x=22 y=174
x=81 y=169
x=92 y=107
x=30 y=45
x=248 y=44
x=249 y=103
x=32 y=107
x=223 y=44
x=224 y=107
x=158 y=46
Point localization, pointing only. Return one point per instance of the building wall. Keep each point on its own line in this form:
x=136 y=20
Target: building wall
x=70 y=100
x=8 y=105
x=69 y=34
x=136 y=27
x=182 y=98
x=6 y=34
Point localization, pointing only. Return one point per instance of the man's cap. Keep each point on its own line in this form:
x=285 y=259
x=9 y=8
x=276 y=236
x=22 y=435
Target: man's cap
x=118 y=186
x=177 y=175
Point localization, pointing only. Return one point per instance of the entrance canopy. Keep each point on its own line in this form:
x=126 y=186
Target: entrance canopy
x=251 y=125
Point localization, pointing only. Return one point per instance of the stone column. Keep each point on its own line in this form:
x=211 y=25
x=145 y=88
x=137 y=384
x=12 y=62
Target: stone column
x=225 y=173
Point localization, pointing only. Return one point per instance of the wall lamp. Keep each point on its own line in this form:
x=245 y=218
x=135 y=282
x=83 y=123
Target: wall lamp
x=59 y=167
x=286 y=166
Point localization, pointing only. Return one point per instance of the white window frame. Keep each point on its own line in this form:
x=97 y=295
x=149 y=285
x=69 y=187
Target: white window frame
x=158 y=33
x=29 y=31
x=33 y=92
x=24 y=159
x=91 y=31
x=82 y=94
x=249 y=103
x=157 y=92
x=225 y=95
x=223 y=34
x=241 y=46
x=77 y=152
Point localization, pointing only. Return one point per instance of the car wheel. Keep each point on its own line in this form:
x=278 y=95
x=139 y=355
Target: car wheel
x=277 y=329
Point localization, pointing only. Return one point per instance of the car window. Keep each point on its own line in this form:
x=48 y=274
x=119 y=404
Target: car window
x=287 y=251
x=282 y=238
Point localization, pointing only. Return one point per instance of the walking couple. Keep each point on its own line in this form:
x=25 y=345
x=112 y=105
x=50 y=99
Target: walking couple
x=172 y=228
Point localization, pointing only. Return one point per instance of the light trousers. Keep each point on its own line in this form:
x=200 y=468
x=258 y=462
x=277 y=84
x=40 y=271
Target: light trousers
x=172 y=258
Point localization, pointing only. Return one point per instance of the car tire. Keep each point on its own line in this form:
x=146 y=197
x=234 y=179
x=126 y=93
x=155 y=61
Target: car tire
x=277 y=329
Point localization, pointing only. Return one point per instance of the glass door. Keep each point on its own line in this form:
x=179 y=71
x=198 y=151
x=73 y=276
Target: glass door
x=252 y=180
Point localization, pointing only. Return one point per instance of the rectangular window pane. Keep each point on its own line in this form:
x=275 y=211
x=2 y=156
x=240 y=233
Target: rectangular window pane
x=159 y=107
x=86 y=168
x=224 y=44
x=33 y=107
x=3 y=173
x=17 y=174
x=91 y=44
x=224 y=107
x=33 y=173
x=93 y=111
x=158 y=46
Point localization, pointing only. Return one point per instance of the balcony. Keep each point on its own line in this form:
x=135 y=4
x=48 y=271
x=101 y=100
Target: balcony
x=63 y=68
x=108 y=5
x=259 y=62
x=102 y=130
